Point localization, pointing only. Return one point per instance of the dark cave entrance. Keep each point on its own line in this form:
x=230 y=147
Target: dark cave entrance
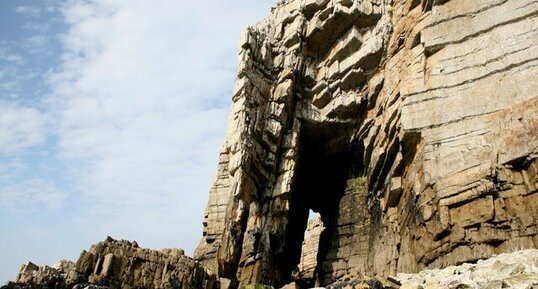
x=324 y=163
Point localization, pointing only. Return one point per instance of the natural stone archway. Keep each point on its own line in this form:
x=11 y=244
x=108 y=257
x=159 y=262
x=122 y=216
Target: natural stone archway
x=322 y=168
x=432 y=164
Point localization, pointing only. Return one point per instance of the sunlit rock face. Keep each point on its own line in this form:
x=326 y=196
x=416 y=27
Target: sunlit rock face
x=410 y=126
x=114 y=264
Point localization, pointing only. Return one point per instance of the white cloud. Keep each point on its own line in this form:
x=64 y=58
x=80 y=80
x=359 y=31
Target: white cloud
x=20 y=127
x=127 y=143
x=37 y=27
x=10 y=57
x=141 y=101
x=37 y=43
x=32 y=11
x=34 y=194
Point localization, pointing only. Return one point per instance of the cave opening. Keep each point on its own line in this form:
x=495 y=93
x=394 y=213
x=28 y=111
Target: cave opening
x=323 y=166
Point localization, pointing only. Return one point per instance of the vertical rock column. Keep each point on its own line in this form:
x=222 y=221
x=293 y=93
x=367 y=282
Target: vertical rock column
x=246 y=218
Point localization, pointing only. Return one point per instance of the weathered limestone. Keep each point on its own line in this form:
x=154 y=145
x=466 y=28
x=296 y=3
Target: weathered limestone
x=410 y=126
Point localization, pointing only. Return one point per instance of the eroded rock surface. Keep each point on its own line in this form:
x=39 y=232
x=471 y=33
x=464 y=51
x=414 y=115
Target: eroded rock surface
x=119 y=264
x=509 y=270
x=411 y=127
x=122 y=264
x=31 y=275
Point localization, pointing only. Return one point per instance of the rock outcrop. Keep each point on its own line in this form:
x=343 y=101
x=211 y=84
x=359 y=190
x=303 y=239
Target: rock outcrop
x=119 y=264
x=122 y=264
x=410 y=126
x=47 y=276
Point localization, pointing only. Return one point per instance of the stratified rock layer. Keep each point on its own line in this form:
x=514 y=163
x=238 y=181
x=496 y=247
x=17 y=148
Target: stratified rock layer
x=411 y=127
x=122 y=264
x=119 y=264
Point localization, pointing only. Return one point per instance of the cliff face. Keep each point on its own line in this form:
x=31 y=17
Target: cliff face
x=410 y=126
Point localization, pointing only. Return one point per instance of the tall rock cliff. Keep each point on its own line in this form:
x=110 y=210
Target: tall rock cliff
x=410 y=126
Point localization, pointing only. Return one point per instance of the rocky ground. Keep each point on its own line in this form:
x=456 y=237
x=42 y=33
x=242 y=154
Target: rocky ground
x=509 y=270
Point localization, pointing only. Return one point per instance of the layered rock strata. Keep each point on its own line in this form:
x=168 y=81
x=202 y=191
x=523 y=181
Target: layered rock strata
x=119 y=264
x=122 y=264
x=410 y=126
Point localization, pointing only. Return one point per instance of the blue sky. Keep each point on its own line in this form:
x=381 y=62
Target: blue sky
x=111 y=117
